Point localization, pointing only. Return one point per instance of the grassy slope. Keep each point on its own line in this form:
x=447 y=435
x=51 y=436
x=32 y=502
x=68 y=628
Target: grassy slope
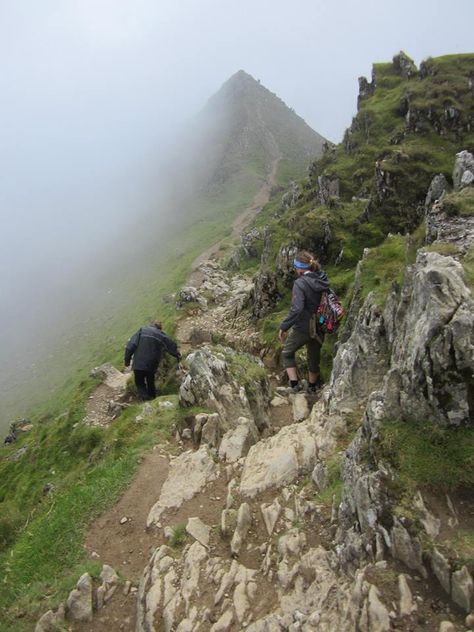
x=41 y=555
x=359 y=219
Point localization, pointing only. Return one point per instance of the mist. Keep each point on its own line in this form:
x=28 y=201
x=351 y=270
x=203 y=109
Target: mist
x=96 y=92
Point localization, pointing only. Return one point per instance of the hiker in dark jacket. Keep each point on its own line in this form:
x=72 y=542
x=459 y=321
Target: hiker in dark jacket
x=146 y=347
x=306 y=295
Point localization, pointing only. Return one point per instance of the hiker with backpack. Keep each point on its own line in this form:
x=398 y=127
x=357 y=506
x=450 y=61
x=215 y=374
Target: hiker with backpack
x=310 y=284
x=146 y=347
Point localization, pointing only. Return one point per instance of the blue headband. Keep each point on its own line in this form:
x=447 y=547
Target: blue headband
x=301 y=265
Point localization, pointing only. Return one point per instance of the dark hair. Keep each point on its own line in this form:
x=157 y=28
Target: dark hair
x=306 y=257
x=158 y=324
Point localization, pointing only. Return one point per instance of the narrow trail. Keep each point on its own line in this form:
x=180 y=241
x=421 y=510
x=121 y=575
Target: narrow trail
x=126 y=545
x=239 y=224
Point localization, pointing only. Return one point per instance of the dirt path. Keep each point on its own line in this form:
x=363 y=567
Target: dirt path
x=126 y=545
x=240 y=223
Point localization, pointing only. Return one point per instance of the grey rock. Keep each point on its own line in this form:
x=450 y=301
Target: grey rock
x=320 y=475
x=300 y=407
x=431 y=524
x=190 y=295
x=52 y=621
x=108 y=575
x=237 y=442
x=404 y=65
x=327 y=188
x=432 y=349
x=265 y=293
x=441 y=569
x=446 y=626
x=244 y=520
x=212 y=430
x=366 y=90
x=210 y=384
x=463 y=166
x=406 y=548
x=462 y=588
x=270 y=513
x=110 y=376
x=439 y=185
x=407 y=605
x=278 y=460
x=379 y=619
x=16 y=456
x=189 y=473
x=79 y=602
x=198 y=530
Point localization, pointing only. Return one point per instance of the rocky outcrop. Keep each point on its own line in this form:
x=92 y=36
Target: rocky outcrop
x=432 y=342
x=265 y=294
x=327 y=188
x=439 y=185
x=211 y=384
x=463 y=173
x=366 y=90
x=284 y=262
x=404 y=66
x=444 y=224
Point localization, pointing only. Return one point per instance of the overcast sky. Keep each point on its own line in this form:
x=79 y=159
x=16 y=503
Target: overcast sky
x=92 y=90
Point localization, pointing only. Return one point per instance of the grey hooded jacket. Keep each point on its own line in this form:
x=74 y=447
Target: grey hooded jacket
x=305 y=298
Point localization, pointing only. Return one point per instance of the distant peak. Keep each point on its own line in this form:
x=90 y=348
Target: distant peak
x=241 y=77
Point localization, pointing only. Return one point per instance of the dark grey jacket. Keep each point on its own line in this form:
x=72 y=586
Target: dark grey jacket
x=305 y=298
x=146 y=347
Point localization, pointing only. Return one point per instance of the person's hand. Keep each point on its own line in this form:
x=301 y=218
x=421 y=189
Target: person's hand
x=282 y=335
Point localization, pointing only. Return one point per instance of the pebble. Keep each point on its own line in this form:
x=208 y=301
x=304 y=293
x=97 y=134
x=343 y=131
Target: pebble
x=95 y=555
x=470 y=620
x=123 y=520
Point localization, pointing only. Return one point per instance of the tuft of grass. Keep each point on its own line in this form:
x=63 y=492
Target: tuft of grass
x=179 y=537
x=333 y=489
x=468 y=263
x=459 y=203
x=382 y=266
x=424 y=454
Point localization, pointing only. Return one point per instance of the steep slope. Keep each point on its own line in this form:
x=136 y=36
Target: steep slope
x=357 y=513
x=242 y=136
x=242 y=129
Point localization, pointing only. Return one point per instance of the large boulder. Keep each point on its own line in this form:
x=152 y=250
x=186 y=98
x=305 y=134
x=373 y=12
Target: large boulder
x=432 y=350
x=280 y=459
x=189 y=473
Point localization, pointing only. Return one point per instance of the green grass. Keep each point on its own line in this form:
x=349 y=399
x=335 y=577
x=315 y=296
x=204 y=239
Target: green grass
x=333 y=489
x=179 y=537
x=383 y=266
x=429 y=455
x=468 y=263
x=245 y=370
x=90 y=467
x=459 y=203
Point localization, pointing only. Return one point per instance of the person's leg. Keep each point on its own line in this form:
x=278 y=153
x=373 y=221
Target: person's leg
x=150 y=384
x=294 y=342
x=314 y=358
x=140 y=384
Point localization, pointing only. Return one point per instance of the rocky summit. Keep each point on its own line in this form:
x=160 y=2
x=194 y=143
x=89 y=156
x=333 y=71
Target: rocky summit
x=252 y=507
